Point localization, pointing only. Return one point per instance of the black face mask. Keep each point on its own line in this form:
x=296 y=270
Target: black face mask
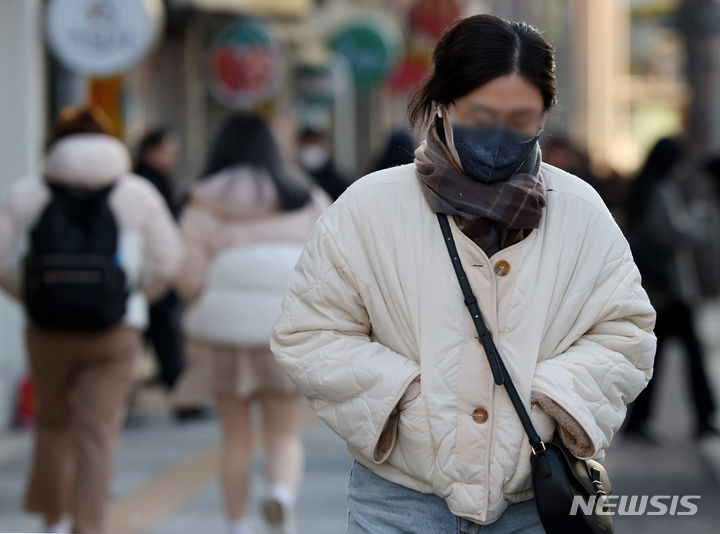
x=491 y=154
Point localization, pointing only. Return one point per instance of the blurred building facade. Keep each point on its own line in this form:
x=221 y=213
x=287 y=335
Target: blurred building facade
x=22 y=137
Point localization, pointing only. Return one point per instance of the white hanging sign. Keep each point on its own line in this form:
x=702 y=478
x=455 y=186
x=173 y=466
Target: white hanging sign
x=102 y=37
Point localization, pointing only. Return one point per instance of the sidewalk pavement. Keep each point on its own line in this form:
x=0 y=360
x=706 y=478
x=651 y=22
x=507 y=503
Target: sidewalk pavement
x=165 y=481
x=165 y=477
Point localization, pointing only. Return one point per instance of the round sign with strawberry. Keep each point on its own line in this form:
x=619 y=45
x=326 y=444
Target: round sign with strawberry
x=246 y=64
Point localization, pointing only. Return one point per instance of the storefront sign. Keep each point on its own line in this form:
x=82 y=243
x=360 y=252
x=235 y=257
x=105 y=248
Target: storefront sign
x=411 y=70
x=371 y=48
x=429 y=18
x=102 y=37
x=246 y=64
x=315 y=84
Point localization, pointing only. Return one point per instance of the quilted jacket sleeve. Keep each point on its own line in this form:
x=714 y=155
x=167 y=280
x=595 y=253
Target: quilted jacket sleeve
x=607 y=366
x=322 y=340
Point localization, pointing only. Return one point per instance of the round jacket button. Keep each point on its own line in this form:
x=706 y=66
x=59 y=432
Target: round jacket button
x=502 y=268
x=480 y=415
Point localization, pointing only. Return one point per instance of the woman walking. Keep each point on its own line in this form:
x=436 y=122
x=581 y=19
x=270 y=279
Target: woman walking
x=243 y=230
x=374 y=330
x=85 y=249
x=663 y=231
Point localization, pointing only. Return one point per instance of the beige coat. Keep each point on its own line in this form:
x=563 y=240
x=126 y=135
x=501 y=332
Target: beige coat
x=240 y=251
x=149 y=243
x=374 y=304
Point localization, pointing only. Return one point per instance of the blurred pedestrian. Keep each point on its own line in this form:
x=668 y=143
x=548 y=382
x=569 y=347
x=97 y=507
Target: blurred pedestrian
x=83 y=248
x=562 y=153
x=712 y=167
x=662 y=231
x=315 y=157
x=244 y=227
x=398 y=150
x=374 y=330
x=157 y=157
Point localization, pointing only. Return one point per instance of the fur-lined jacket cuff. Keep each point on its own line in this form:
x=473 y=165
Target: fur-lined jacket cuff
x=573 y=435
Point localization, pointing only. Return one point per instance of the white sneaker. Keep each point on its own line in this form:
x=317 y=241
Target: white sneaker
x=242 y=526
x=61 y=528
x=279 y=517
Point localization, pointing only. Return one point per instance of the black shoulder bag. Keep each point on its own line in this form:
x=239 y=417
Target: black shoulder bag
x=558 y=477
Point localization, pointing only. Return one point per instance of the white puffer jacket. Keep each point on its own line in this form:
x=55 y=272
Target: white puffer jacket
x=374 y=303
x=242 y=296
x=240 y=250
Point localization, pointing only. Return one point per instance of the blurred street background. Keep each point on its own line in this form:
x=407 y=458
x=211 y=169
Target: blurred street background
x=332 y=78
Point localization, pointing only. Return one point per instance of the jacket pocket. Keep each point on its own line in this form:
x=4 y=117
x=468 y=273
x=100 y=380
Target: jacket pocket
x=521 y=479
x=414 y=452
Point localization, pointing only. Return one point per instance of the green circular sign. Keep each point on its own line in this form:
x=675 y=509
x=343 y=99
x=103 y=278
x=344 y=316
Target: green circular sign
x=370 y=48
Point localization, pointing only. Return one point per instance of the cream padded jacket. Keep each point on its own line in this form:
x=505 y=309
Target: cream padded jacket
x=374 y=302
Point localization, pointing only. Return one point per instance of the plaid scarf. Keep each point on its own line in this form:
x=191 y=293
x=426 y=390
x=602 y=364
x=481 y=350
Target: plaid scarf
x=494 y=216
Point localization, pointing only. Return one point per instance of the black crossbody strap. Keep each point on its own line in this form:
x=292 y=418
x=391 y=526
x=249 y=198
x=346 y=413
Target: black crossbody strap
x=499 y=371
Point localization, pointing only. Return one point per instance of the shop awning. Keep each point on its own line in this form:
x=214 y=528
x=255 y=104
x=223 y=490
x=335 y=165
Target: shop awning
x=279 y=8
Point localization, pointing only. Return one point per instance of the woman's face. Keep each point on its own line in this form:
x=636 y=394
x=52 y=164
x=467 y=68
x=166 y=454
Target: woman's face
x=509 y=100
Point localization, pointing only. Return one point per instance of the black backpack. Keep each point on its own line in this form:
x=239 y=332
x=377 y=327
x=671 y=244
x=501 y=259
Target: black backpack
x=73 y=280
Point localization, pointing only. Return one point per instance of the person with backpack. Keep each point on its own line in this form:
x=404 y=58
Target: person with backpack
x=84 y=248
x=243 y=228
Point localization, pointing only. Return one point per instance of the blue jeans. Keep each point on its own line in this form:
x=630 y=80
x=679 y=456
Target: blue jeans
x=377 y=506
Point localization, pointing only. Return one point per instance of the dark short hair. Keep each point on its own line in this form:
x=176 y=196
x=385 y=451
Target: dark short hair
x=153 y=139
x=246 y=139
x=658 y=166
x=476 y=50
x=311 y=135
x=80 y=120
